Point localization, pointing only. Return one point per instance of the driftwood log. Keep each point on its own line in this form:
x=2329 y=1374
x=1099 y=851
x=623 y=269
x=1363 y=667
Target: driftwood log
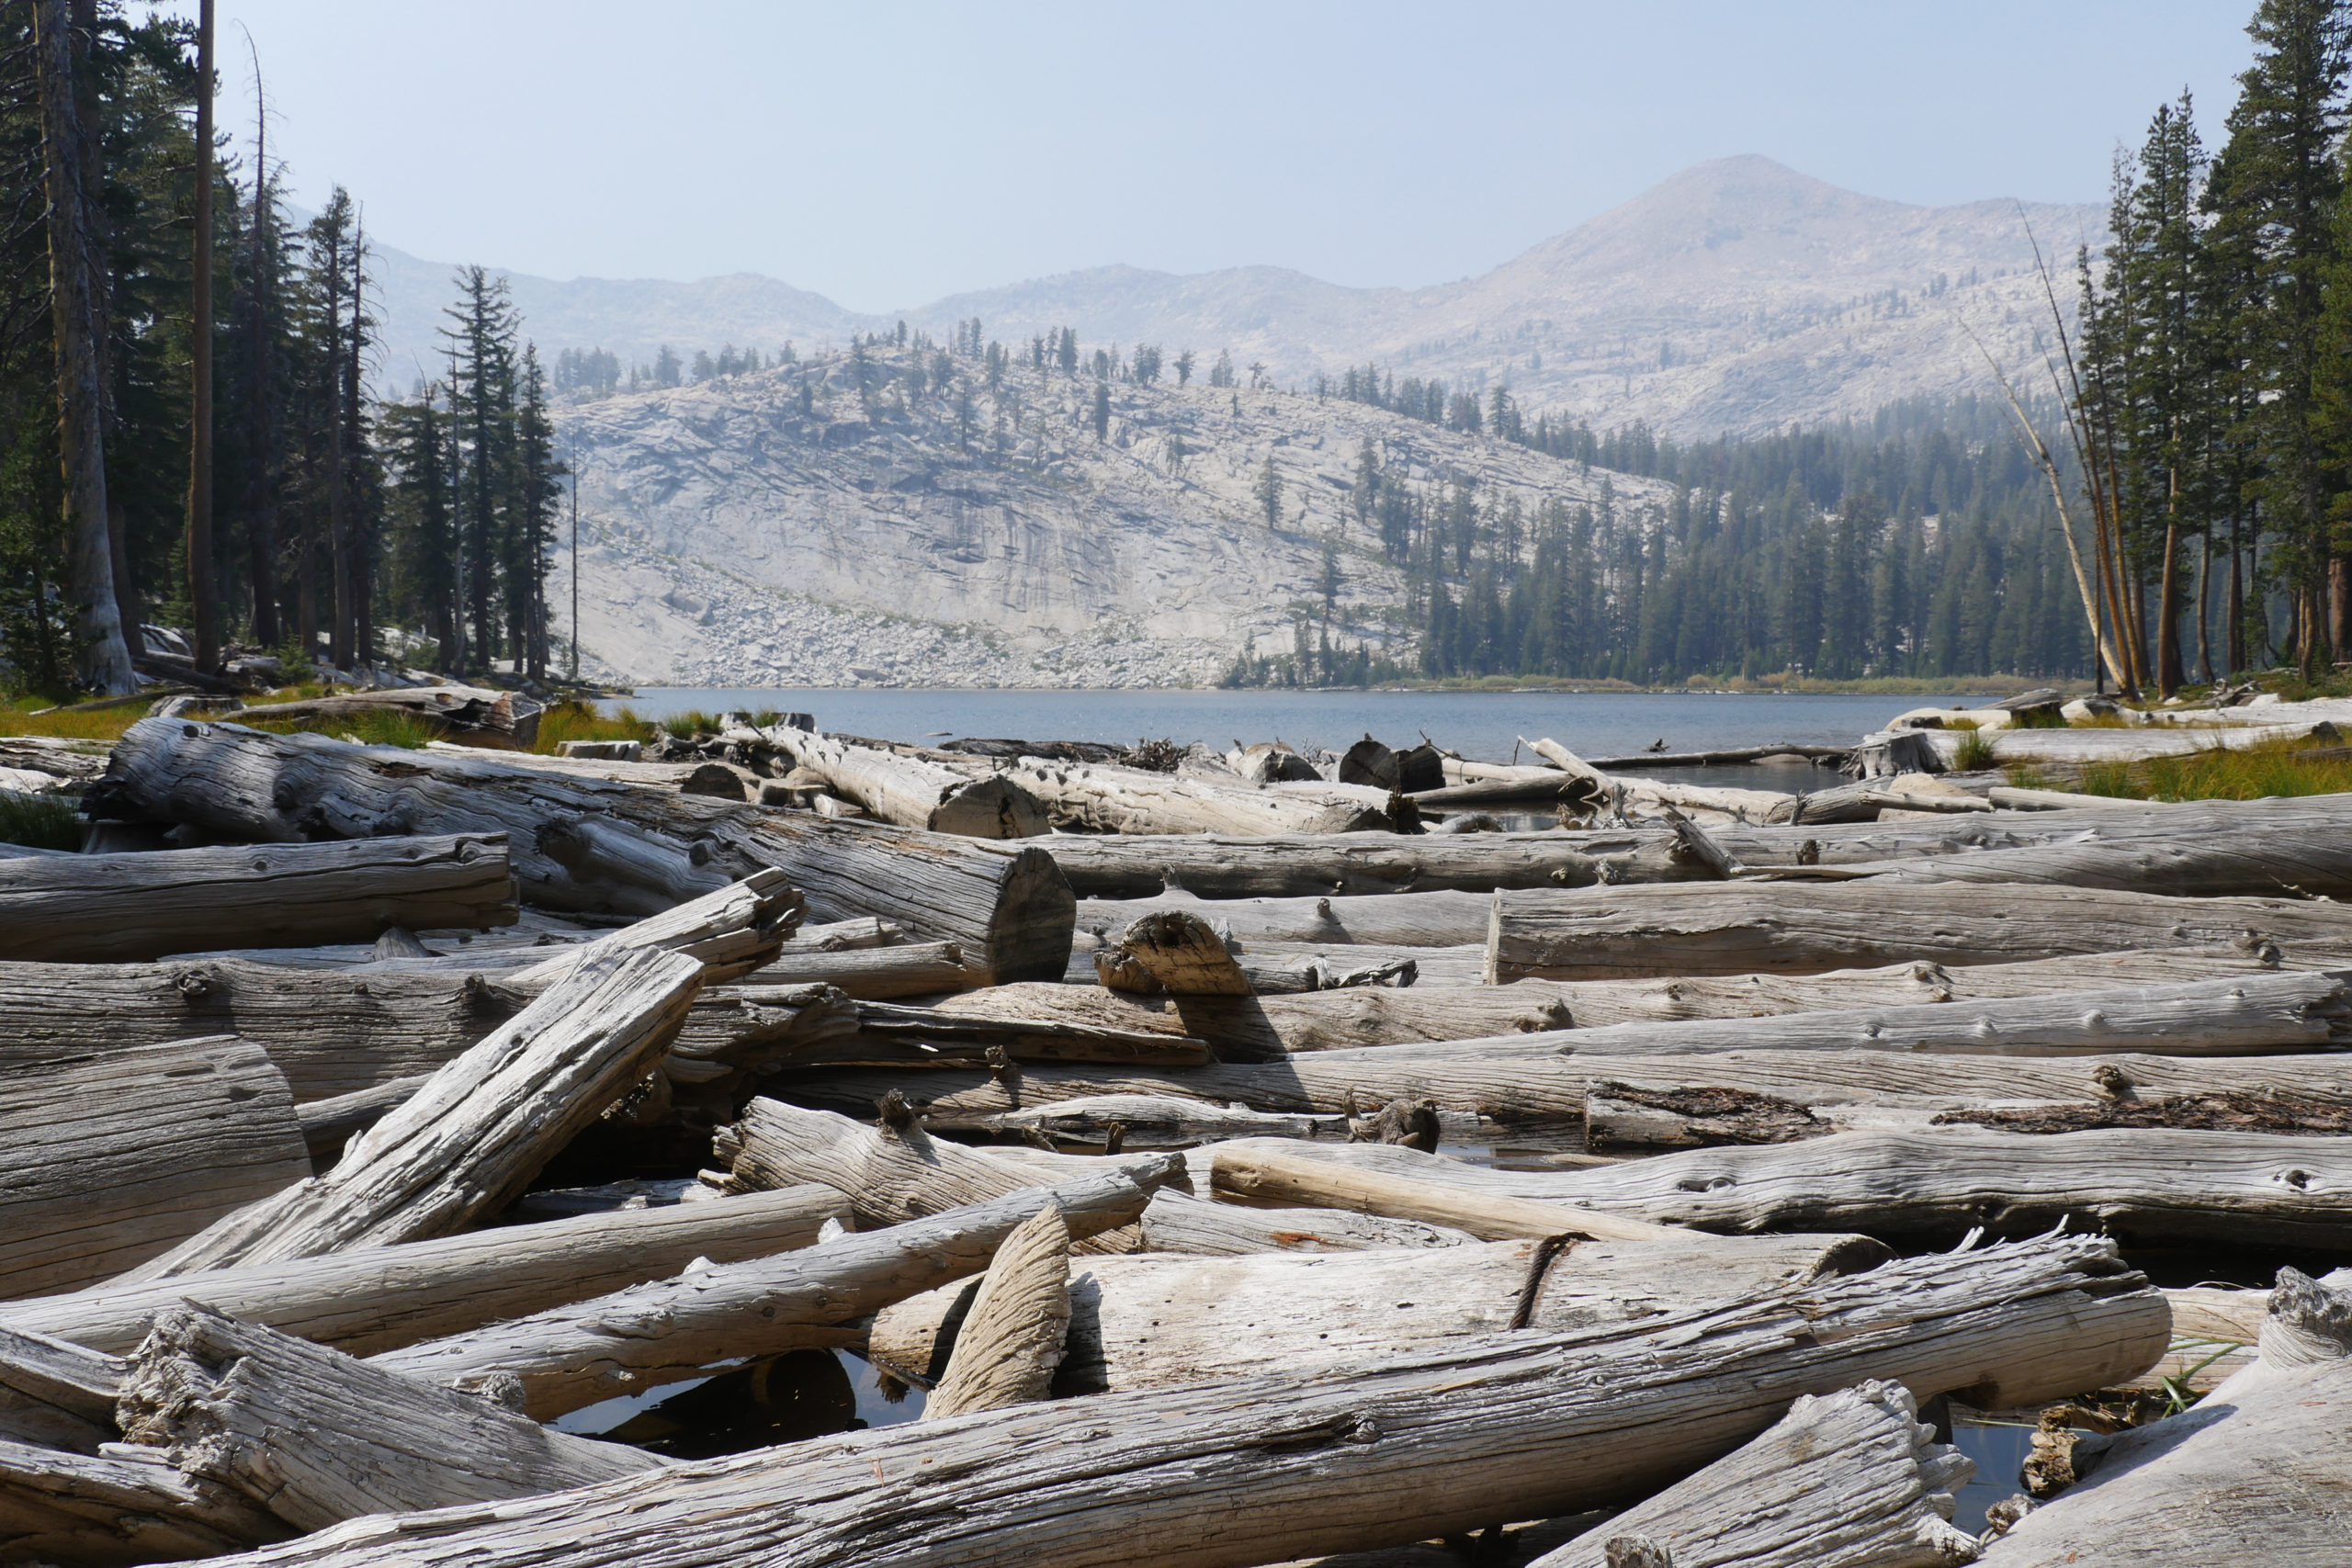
x=118 y=908
x=2144 y=1186
x=1174 y=1221
x=1265 y=1171
x=1741 y=928
x=385 y=1297
x=1400 y=919
x=1171 y=951
x=591 y=845
x=316 y=1437
x=109 y=1160
x=1223 y=1476
x=1848 y=1480
x=1155 y=1322
x=577 y=1354
x=1016 y=1324
x=914 y=792
x=56 y=1394
x=872 y=973
x=477 y=715
x=1098 y=798
x=115 y=1510
x=478 y=1132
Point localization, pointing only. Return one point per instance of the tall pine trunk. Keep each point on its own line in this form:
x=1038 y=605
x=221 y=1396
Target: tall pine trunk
x=363 y=617
x=203 y=598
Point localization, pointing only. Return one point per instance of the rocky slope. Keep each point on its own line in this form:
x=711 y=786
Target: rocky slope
x=731 y=539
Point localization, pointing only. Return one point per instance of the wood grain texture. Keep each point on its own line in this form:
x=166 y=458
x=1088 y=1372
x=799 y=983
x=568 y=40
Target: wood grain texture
x=109 y=1160
x=55 y=1393
x=385 y=1297
x=1230 y=1474
x=1754 y=927
x=123 y=908
x=115 y=1510
x=1098 y=798
x=1173 y=952
x=1177 y=1222
x=316 y=1437
x=1266 y=1171
x=472 y=1138
x=914 y=793
x=1396 y=919
x=1013 y=1333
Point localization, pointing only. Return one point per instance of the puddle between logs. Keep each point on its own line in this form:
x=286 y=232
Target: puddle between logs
x=776 y=1399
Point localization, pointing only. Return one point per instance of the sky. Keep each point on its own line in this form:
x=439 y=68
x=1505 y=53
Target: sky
x=885 y=155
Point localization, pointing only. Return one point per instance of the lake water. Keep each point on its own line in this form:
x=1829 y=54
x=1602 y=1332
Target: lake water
x=1482 y=725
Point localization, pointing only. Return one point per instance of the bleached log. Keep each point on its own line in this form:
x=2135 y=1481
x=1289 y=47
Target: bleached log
x=2027 y=747
x=1289 y=968
x=316 y=1437
x=123 y=908
x=1153 y=1322
x=591 y=1350
x=2248 y=862
x=385 y=1297
x=475 y=1135
x=1223 y=1476
x=1757 y=1097
x=107 y=1160
x=912 y=793
x=731 y=931
x=1848 y=1480
x=1174 y=952
x=587 y=844
x=1011 y=1339
x=1740 y=928
x=1402 y=920
x=870 y=974
x=55 y=1393
x=1152 y=1122
x=2253 y=1474
x=1174 y=1221
x=1265 y=1171
x=2147 y=1187
x=1550 y=789
x=479 y=715
x=1098 y=798
x=328 y=1125
x=115 y=1509
x=890 y=1033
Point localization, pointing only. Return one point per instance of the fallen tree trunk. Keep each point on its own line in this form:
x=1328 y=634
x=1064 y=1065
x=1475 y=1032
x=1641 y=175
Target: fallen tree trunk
x=1155 y=1322
x=119 y=1509
x=1101 y=799
x=577 y=1354
x=2144 y=1187
x=1401 y=920
x=56 y=1394
x=1848 y=1480
x=1173 y=1222
x=1739 y=928
x=590 y=845
x=478 y=1132
x=1012 y=1334
x=1314 y=866
x=476 y=714
x=878 y=1032
x=2250 y=862
x=730 y=931
x=1264 y=1170
x=912 y=793
x=871 y=974
x=1288 y=968
x=385 y=1297
x=124 y=907
x=1379 y=1454
x=2252 y=1475
x=1151 y=1121
x=107 y=1161
x=316 y=1437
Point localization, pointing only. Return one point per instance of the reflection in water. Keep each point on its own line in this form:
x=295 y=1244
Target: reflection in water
x=776 y=1399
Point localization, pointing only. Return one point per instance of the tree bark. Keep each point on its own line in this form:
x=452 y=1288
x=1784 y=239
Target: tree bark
x=203 y=597
x=574 y=1356
x=1228 y=1475
x=476 y=1134
x=581 y=844
x=107 y=1161
x=71 y=179
x=1012 y=1336
x=116 y=908
x=316 y=1437
x=1743 y=927
x=912 y=793
x=381 y=1298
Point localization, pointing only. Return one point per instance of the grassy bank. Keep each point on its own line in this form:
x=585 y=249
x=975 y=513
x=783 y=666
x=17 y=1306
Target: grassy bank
x=384 y=727
x=2280 y=769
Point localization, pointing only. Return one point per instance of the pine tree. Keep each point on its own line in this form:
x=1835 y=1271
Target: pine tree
x=1269 y=492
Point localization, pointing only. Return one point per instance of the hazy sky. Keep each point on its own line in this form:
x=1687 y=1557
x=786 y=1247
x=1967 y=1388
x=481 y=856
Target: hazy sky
x=885 y=154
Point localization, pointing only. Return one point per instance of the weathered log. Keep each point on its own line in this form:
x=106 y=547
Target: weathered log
x=1150 y=1121
x=586 y=845
x=730 y=931
x=1402 y=920
x=1173 y=952
x=476 y=714
x=55 y=1393
x=577 y=1354
x=1226 y=1475
x=115 y=1509
x=2246 y=861
x=1102 y=800
x=316 y=1437
x=1152 y=1322
x=2147 y=1187
x=1762 y=1097
x=1820 y=756
x=107 y=1160
x=385 y=1297
x=1848 y=1480
x=1287 y=969
x=1552 y=789
x=1630 y=932
x=870 y=974
x=912 y=793
x=1369 y=763
x=117 y=907
x=887 y=1032
x=1011 y=1338
x=2028 y=747
x=476 y=1134
x=1174 y=1221
x=1265 y=1171
x=328 y=1125
x=2253 y=1474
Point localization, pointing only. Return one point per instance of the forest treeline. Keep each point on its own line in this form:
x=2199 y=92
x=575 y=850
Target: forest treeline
x=318 y=510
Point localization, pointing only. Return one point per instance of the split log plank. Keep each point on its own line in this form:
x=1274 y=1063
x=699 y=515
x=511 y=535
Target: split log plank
x=1229 y=1474
x=382 y=1298
x=124 y=907
x=871 y=974
x=107 y=1161
x=480 y=1129
x=1011 y=1339
x=317 y=1437
x=114 y=1511
x=57 y=1394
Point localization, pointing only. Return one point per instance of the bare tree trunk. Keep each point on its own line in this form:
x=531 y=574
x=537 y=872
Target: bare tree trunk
x=202 y=593
x=103 y=663
x=338 y=512
x=362 y=628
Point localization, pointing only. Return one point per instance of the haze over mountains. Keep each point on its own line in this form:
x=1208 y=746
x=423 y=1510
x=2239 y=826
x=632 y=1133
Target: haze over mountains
x=1737 y=296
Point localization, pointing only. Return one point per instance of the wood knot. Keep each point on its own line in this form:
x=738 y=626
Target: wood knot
x=193 y=984
x=895 y=1112
x=1809 y=852
x=2112 y=1080
x=1636 y=1551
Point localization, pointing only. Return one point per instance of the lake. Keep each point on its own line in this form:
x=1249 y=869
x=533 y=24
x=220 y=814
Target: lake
x=1482 y=725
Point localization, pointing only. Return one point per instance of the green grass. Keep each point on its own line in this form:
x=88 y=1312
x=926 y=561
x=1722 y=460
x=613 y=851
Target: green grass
x=1975 y=752
x=39 y=821
x=2282 y=769
x=688 y=725
x=580 y=721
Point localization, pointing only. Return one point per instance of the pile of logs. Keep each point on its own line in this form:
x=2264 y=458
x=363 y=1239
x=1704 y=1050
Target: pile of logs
x=1202 y=1165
